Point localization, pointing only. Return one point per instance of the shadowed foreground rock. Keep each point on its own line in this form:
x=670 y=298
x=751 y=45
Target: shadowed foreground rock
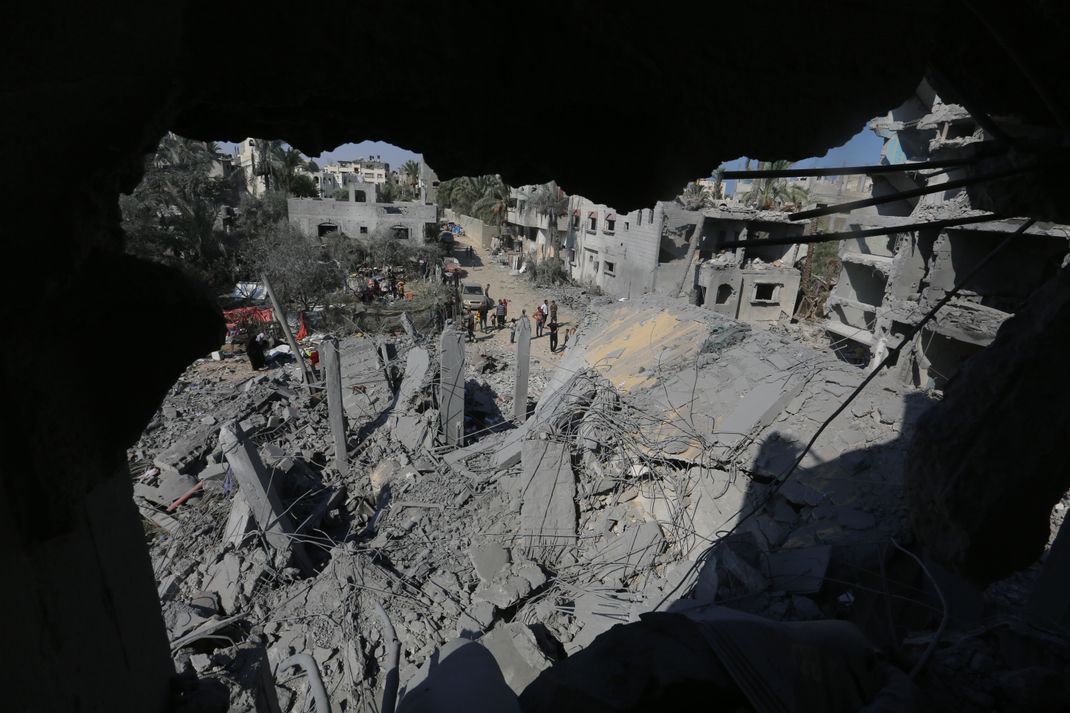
x=981 y=485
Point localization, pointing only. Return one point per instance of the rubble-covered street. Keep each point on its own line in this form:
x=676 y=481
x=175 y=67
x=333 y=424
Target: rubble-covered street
x=657 y=472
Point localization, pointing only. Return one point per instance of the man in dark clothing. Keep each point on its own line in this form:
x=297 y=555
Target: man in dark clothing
x=552 y=326
x=470 y=325
x=255 y=351
x=483 y=309
x=553 y=311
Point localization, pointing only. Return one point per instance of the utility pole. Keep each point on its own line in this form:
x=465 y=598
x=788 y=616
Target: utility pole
x=280 y=317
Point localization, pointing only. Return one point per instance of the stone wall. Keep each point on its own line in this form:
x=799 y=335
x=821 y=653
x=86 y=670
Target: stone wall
x=481 y=233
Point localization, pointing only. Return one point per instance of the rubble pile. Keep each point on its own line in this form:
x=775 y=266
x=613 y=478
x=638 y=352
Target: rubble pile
x=662 y=469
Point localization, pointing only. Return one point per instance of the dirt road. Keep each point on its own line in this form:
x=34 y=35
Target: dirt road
x=521 y=294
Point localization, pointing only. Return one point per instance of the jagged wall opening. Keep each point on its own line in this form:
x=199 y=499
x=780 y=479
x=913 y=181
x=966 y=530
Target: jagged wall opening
x=111 y=83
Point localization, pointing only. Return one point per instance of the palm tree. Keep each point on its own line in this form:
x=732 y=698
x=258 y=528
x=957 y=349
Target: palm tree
x=551 y=201
x=468 y=190
x=411 y=169
x=774 y=193
x=693 y=199
x=493 y=206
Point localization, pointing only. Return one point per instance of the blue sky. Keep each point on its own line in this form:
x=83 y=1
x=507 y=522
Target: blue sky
x=863 y=149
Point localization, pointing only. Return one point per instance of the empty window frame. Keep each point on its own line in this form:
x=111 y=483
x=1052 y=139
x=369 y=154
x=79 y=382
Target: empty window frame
x=766 y=293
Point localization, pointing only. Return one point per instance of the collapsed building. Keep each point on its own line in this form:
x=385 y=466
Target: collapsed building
x=85 y=607
x=888 y=282
x=755 y=283
x=646 y=251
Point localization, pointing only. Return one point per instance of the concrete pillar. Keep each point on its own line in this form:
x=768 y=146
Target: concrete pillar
x=523 y=363
x=332 y=365
x=256 y=486
x=451 y=385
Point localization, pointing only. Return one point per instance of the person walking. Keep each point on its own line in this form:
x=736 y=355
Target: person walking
x=512 y=330
x=483 y=308
x=499 y=314
x=553 y=311
x=545 y=307
x=470 y=325
x=553 y=335
x=538 y=322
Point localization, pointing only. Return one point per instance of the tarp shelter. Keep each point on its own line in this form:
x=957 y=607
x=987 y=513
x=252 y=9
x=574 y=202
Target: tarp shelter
x=244 y=315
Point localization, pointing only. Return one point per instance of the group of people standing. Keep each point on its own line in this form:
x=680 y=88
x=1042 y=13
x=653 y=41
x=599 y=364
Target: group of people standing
x=546 y=321
x=496 y=311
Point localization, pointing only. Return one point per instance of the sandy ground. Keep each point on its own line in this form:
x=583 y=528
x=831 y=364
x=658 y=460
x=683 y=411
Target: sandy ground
x=521 y=294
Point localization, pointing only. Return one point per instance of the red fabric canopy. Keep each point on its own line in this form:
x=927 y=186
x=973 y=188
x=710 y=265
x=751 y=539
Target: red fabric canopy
x=246 y=314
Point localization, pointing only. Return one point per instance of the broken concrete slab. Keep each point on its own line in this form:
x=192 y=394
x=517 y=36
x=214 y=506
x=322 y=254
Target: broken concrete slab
x=597 y=613
x=256 y=485
x=489 y=558
x=417 y=364
x=517 y=652
x=213 y=471
x=758 y=409
x=451 y=386
x=548 y=499
x=801 y=570
x=224 y=578
x=410 y=431
x=239 y=521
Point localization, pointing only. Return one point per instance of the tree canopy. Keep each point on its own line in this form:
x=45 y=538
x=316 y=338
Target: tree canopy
x=181 y=212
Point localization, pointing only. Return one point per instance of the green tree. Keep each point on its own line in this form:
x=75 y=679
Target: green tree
x=179 y=213
x=302 y=186
x=412 y=172
x=774 y=193
x=389 y=191
x=493 y=206
x=301 y=269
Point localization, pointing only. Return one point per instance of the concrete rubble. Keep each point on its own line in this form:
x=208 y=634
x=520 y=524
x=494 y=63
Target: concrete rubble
x=655 y=474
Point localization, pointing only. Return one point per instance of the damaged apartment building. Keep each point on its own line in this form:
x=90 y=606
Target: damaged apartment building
x=888 y=282
x=363 y=215
x=645 y=251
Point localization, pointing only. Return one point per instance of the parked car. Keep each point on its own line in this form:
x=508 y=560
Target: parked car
x=472 y=295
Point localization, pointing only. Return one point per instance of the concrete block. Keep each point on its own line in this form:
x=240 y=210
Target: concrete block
x=213 y=471
x=451 y=386
x=548 y=499
x=489 y=559
x=417 y=364
x=239 y=522
x=517 y=652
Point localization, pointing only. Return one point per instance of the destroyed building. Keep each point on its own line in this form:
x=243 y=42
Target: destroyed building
x=955 y=548
x=754 y=283
x=888 y=282
x=362 y=214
